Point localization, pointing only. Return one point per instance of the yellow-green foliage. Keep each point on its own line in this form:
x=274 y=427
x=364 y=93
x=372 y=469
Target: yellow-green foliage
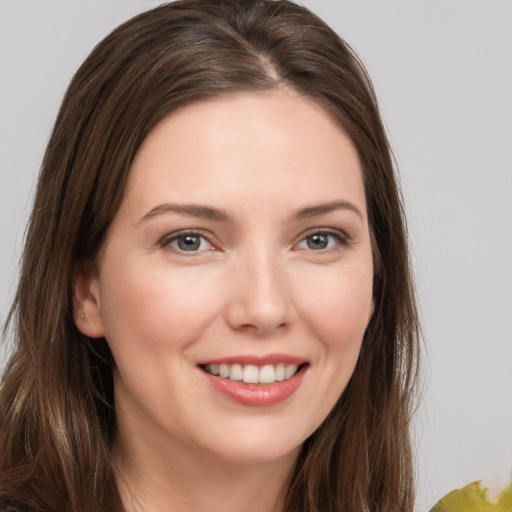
x=473 y=498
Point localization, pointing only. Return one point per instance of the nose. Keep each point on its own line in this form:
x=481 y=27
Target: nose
x=261 y=301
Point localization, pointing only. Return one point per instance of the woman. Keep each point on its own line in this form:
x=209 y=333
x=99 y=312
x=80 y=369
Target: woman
x=215 y=306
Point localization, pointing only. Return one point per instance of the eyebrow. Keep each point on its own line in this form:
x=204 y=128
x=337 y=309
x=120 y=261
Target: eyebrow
x=190 y=210
x=218 y=215
x=322 y=209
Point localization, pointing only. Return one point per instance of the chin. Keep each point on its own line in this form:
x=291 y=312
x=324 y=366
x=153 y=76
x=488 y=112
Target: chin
x=261 y=446
x=252 y=456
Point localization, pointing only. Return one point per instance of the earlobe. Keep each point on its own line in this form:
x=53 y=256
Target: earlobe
x=86 y=303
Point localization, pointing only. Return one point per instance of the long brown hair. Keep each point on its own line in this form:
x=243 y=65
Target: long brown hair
x=57 y=417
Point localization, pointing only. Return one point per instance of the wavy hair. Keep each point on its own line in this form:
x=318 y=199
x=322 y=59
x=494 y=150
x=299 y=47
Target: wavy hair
x=57 y=417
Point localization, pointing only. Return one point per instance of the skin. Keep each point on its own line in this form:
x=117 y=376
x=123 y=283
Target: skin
x=255 y=284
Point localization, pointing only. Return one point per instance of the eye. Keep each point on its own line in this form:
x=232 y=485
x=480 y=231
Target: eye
x=190 y=242
x=323 y=241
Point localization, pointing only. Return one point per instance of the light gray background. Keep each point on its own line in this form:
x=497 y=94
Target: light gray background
x=443 y=73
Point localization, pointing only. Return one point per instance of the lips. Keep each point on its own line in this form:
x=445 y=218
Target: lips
x=256 y=381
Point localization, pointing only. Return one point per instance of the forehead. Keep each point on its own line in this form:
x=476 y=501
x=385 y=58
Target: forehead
x=259 y=146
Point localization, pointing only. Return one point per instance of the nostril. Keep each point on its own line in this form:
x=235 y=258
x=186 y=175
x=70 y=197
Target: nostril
x=260 y=305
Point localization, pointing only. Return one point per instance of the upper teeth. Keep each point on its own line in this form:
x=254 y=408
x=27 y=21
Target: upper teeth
x=253 y=374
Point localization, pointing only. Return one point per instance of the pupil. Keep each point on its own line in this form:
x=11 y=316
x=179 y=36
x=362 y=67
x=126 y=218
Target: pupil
x=189 y=243
x=317 y=242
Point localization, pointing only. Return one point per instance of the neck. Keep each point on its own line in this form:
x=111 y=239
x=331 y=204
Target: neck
x=179 y=479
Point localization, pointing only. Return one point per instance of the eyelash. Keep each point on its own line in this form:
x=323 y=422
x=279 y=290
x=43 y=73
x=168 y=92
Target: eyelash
x=341 y=240
x=167 y=240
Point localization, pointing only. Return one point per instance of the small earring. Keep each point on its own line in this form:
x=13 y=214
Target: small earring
x=82 y=318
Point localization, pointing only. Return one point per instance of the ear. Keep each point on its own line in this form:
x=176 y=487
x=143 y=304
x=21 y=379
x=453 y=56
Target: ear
x=86 y=302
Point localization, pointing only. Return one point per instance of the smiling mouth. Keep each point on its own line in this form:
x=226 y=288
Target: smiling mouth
x=253 y=374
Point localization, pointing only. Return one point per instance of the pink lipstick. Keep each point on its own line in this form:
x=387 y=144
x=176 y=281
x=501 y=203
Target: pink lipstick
x=256 y=380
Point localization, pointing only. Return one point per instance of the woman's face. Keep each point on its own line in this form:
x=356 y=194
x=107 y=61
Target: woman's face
x=241 y=250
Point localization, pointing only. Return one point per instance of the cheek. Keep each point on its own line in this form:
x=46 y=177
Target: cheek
x=338 y=312
x=336 y=315
x=148 y=308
